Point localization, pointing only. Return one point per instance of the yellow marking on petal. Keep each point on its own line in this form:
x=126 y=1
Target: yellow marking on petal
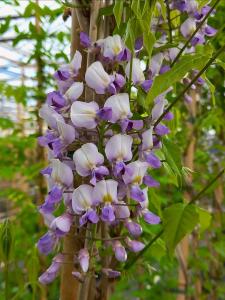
x=116 y=49
x=137 y=180
x=107 y=198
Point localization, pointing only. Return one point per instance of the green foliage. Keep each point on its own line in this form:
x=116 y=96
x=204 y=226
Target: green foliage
x=6 y=240
x=118 y=11
x=186 y=64
x=178 y=220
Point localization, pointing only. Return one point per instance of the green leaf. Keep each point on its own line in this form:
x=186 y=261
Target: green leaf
x=149 y=41
x=130 y=34
x=6 y=240
x=163 y=82
x=33 y=267
x=221 y=63
x=118 y=11
x=211 y=88
x=163 y=8
x=105 y=11
x=178 y=220
x=135 y=6
x=204 y=219
x=173 y=158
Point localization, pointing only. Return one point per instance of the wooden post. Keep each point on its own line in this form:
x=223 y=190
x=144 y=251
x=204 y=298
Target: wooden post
x=69 y=286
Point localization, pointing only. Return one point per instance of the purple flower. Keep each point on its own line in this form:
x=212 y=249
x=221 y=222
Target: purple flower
x=134 y=246
x=46 y=243
x=56 y=99
x=134 y=228
x=67 y=73
x=83 y=202
x=85 y=40
x=75 y=91
x=122 y=211
x=88 y=161
x=137 y=75
x=188 y=27
x=138 y=44
x=61 y=225
x=54 y=197
x=61 y=173
x=161 y=129
x=150 y=182
x=120 y=252
x=120 y=106
x=150 y=218
x=83 y=258
x=96 y=78
x=111 y=273
x=50 y=116
x=84 y=114
x=210 y=31
x=51 y=273
x=146 y=85
x=152 y=159
x=118 y=148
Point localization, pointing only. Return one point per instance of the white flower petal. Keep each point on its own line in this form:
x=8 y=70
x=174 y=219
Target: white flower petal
x=82 y=198
x=120 y=106
x=118 y=148
x=84 y=114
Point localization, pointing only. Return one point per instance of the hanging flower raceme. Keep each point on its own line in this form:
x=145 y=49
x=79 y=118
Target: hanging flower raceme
x=102 y=150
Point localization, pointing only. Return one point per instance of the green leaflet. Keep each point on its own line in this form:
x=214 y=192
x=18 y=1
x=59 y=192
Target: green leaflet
x=135 y=6
x=105 y=11
x=211 y=88
x=118 y=11
x=130 y=34
x=164 y=81
x=204 y=219
x=178 y=220
x=173 y=159
x=6 y=240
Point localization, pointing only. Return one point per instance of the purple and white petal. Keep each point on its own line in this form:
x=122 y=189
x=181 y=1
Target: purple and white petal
x=134 y=228
x=118 y=148
x=82 y=198
x=150 y=182
x=134 y=172
x=84 y=114
x=120 y=252
x=105 y=191
x=66 y=132
x=61 y=173
x=136 y=193
x=85 y=40
x=137 y=75
x=75 y=91
x=83 y=258
x=87 y=158
x=50 y=116
x=96 y=78
x=134 y=246
x=120 y=106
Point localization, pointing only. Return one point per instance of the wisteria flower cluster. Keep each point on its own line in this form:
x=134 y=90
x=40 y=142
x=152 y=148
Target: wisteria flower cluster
x=101 y=151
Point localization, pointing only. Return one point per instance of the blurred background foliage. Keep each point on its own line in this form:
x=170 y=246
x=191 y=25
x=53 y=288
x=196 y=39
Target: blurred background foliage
x=35 y=38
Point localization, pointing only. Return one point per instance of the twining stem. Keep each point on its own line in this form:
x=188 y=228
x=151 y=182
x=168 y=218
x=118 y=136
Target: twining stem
x=207 y=186
x=130 y=74
x=212 y=59
x=194 y=33
x=169 y=21
x=129 y=264
x=133 y=261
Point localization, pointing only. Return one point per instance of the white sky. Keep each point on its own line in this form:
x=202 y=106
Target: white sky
x=9 y=71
